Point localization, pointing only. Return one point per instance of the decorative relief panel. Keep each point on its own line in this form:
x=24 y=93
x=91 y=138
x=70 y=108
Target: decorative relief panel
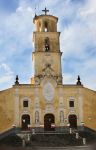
x=48 y=91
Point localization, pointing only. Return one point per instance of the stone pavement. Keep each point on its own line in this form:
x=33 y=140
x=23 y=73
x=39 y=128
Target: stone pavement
x=66 y=148
x=50 y=148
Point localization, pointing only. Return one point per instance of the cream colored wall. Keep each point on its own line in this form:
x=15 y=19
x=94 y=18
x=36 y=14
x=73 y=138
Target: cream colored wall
x=11 y=105
x=89 y=108
x=23 y=92
x=42 y=59
x=83 y=106
x=40 y=20
x=39 y=38
x=59 y=103
x=6 y=109
x=73 y=93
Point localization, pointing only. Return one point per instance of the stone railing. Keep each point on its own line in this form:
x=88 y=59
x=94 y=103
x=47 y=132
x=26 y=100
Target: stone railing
x=8 y=132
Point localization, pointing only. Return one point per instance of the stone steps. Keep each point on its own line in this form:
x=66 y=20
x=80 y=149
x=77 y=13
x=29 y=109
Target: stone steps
x=54 y=140
x=47 y=139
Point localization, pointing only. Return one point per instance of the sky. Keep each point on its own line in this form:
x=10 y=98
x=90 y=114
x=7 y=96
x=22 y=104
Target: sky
x=77 y=24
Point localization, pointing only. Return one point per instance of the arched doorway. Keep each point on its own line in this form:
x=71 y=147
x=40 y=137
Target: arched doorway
x=73 y=121
x=49 y=122
x=25 y=121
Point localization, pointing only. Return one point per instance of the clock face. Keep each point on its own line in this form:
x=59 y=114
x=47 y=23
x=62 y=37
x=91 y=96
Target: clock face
x=48 y=91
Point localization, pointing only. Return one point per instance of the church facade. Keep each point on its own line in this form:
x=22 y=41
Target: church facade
x=46 y=103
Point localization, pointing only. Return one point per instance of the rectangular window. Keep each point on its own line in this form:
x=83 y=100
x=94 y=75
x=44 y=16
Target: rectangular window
x=71 y=103
x=25 y=103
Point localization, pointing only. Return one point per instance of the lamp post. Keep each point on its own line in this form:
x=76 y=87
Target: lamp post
x=70 y=129
x=14 y=127
x=53 y=125
x=68 y=124
x=29 y=127
x=82 y=124
x=84 y=141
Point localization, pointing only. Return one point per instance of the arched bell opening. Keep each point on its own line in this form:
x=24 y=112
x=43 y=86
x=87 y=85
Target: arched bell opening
x=46 y=26
x=47 y=44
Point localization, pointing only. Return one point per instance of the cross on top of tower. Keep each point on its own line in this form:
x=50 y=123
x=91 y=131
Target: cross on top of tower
x=45 y=10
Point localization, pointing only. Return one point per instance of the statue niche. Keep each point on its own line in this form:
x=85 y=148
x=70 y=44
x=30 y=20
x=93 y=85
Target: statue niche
x=47 y=47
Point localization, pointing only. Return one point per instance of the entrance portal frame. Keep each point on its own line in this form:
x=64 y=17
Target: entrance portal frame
x=49 y=122
x=25 y=121
x=72 y=119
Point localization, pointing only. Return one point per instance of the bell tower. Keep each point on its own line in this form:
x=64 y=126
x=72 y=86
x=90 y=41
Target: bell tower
x=46 y=56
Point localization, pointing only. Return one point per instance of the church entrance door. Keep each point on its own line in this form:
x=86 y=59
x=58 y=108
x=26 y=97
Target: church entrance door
x=49 y=122
x=73 y=121
x=25 y=121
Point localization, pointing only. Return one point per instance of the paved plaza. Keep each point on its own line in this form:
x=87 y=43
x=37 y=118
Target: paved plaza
x=50 y=148
x=67 y=148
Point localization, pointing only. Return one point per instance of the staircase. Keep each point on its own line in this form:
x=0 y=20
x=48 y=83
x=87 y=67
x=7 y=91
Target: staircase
x=54 y=140
x=47 y=139
x=10 y=137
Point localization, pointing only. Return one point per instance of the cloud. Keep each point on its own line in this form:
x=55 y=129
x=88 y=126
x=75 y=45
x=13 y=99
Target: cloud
x=7 y=6
x=15 y=43
x=78 y=43
x=6 y=76
x=89 y=8
x=6 y=68
x=69 y=78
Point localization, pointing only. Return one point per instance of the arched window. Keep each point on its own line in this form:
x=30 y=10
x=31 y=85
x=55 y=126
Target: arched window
x=61 y=116
x=47 y=47
x=36 y=117
x=46 y=27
